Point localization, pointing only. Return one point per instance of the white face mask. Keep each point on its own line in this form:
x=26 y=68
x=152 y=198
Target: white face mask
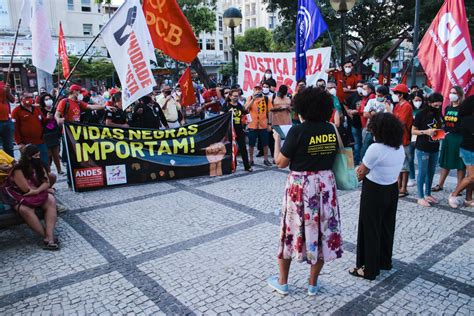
x=417 y=104
x=332 y=91
x=348 y=70
x=268 y=76
x=48 y=102
x=395 y=98
x=365 y=93
x=360 y=90
x=80 y=97
x=453 y=97
x=265 y=90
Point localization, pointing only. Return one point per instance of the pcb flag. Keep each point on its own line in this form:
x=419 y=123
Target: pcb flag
x=127 y=41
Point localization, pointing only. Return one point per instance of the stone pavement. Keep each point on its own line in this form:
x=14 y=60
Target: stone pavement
x=206 y=246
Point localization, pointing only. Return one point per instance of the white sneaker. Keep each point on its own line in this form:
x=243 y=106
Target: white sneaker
x=453 y=201
x=411 y=183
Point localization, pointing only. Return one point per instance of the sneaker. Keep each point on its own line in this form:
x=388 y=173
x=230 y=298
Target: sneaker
x=267 y=163
x=411 y=183
x=313 y=289
x=60 y=208
x=453 y=201
x=276 y=286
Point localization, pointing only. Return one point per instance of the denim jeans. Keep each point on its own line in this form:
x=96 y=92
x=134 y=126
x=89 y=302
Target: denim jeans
x=368 y=140
x=357 y=135
x=6 y=135
x=411 y=161
x=426 y=169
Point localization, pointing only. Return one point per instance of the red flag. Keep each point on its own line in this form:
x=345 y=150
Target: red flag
x=445 y=51
x=170 y=30
x=188 y=96
x=62 y=52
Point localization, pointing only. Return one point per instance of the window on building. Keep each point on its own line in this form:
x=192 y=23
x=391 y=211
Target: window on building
x=221 y=44
x=86 y=5
x=220 y=23
x=271 y=22
x=254 y=10
x=87 y=29
x=211 y=44
x=247 y=23
x=254 y=22
x=70 y=4
x=200 y=43
x=247 y=9
x=100 y=27
x=226 y=56
x=240 y=28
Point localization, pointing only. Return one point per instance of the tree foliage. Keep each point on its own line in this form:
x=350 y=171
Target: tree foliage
x=254 y=40
x=201 y=14
x=97 y=69
x=370 y=24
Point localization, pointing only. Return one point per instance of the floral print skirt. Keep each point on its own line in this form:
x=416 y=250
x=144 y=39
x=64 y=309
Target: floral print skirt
x=310 y=220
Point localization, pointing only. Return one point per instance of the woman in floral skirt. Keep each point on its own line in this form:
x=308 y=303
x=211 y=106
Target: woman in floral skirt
x=310 y=221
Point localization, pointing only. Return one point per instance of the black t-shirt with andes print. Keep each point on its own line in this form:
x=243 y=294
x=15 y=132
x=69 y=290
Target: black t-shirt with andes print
x=311 y=146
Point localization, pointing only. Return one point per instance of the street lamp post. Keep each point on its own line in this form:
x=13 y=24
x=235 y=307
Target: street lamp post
x=232 y=18
x=342 y=7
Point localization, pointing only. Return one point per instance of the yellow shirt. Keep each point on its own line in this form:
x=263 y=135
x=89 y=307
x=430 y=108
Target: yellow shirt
x=5 y=159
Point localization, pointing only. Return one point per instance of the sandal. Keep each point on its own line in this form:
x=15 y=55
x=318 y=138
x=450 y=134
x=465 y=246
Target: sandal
x=423 y=202
x=469 y=203
x=52 y=245
x=431 y=200
x=437 y=188
x=357 y=272
x=402 y=194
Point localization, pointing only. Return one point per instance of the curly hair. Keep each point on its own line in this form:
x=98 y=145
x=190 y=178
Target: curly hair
x=387 y=129
x=314 y=104
x=41 y=99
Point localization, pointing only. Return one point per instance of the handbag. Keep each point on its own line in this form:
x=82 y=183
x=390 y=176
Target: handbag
x=343 y=167
x=10 y=194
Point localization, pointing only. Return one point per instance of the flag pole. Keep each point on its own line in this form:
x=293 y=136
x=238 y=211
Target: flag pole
x=13 y=51
x=334 y=46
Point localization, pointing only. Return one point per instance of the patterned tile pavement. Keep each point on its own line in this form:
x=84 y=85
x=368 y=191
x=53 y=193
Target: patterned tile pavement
x=206 y=245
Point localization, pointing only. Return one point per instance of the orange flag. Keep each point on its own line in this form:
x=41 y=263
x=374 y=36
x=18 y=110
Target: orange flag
x=170 y=30
x=62 y=52
x=188 y=96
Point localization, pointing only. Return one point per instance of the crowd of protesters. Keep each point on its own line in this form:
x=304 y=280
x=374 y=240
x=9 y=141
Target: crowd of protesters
x=359 y=111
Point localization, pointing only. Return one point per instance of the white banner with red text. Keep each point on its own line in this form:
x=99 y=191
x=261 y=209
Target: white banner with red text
x=128 y=43
x=252 y=66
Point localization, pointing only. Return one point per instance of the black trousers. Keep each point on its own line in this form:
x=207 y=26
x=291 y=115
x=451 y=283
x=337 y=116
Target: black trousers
x=378 y=209
x=239 y=131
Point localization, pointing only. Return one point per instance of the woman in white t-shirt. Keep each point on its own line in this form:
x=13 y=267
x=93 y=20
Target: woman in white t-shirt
x=379 y=170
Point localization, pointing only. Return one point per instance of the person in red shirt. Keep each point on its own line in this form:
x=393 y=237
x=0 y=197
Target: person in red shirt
x=404 y=112
x=69 y=109
x=346 y=80
x=5 y=123
x=29 y=123
x=212 y=104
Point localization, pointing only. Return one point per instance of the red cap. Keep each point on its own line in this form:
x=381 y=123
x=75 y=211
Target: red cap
x=75 y=87
x=113 y=91
x=400 y=88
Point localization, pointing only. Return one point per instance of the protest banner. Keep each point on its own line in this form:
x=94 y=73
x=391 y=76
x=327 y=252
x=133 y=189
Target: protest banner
x=101 y=156
x=252 y=66
x=127 y=39
x=445 y=52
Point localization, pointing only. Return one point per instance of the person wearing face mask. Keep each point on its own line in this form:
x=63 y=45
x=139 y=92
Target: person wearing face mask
x=404 y=113
x=170 y=106
x=449 y=157
x=418 y=102
x=51 y=131
x=266 y=90
x=427 y=122
x=353 y=103
x=117 y=117
x=28 y=188
x=69 y=110
x=29 y=122
x=238 y=111
x=332 y=89
x=268 y=79
x=95 y=97
x=5 y=119
x=346 y=80
x=300 y=85
x=379 y=104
